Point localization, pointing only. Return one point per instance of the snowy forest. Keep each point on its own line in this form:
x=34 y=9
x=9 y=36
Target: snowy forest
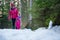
x=31 y=20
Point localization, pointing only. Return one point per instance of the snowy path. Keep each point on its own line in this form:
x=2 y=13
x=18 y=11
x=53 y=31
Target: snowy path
x=27 y=34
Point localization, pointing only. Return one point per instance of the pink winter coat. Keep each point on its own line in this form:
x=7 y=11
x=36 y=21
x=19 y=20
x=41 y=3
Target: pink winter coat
x=18 y=23
x=13 y=13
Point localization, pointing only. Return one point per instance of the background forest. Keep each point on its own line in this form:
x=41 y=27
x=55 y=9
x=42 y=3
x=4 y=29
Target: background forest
x=42 y=11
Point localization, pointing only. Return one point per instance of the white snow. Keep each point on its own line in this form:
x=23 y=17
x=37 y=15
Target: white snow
x=50 y=24
x=28 y=34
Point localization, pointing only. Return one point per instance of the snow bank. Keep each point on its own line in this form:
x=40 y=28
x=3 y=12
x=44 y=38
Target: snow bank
x=28 y=34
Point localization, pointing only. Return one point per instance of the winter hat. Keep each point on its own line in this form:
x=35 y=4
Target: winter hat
x=12 y=4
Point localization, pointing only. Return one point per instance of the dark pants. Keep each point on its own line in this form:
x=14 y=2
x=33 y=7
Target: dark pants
x=13 y=23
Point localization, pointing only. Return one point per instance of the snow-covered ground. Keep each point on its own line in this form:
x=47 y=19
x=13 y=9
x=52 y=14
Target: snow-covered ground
x=28 y=34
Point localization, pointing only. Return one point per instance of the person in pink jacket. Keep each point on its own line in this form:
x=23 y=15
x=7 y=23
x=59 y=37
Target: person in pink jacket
x=13 y=14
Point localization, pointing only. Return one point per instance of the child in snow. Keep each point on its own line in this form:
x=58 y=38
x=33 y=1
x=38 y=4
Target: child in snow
x=18 y=23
